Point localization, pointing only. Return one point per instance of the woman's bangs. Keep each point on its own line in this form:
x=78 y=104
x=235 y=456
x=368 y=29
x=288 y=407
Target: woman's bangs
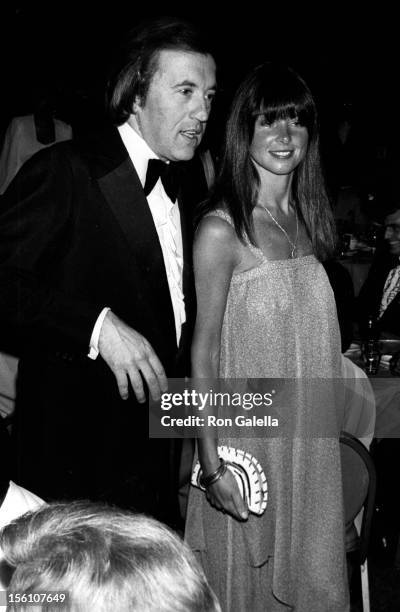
x=278 y=110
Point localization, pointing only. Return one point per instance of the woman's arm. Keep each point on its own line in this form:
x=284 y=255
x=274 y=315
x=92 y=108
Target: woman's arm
x=216 y=254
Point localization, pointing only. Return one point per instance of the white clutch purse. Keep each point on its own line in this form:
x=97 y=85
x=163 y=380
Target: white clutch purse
x=249 y=475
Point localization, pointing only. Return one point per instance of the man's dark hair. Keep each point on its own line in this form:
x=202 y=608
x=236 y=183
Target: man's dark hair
x=137 y=61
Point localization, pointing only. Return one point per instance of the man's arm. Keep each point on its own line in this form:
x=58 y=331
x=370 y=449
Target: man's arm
x=36 y=231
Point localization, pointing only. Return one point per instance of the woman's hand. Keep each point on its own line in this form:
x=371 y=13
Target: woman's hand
x=225 y=496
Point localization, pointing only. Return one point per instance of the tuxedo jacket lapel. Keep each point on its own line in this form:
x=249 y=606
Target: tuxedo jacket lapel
x=187 y=279
x=122 y=189
x=186 y=228
x=123 y=192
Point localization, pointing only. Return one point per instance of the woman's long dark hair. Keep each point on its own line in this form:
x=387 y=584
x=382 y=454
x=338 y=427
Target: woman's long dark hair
x=277 y=92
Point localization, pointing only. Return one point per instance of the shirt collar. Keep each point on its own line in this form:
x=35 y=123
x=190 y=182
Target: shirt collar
x=138 y=150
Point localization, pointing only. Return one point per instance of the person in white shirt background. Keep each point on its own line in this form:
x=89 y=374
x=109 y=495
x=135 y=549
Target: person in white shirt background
x=29 y=133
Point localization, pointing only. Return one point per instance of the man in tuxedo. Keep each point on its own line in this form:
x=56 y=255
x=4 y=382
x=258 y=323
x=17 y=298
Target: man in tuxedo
x=380 y=294
x=95 y=272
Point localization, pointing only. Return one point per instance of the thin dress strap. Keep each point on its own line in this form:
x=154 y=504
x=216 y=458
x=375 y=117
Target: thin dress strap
x=222 y=214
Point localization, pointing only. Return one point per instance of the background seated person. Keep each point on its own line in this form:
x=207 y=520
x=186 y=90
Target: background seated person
x=380 y=294
x=106 y=559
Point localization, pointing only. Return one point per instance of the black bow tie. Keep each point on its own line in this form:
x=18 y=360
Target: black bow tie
x=169 y=177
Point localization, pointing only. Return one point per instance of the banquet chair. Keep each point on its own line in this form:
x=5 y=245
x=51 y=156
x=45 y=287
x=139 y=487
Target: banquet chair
x=359 y=487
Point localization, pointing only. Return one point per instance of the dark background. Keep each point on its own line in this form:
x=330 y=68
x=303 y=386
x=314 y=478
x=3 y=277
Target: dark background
x=349 y=59
x=345 y=56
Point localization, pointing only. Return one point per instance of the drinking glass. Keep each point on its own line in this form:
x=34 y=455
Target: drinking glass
x=372 y=357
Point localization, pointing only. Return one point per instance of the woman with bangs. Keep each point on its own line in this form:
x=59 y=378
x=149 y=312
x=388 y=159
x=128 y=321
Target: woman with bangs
x=266 y=310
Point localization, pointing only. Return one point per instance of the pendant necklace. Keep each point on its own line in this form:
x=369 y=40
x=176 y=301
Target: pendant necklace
x=292 y=244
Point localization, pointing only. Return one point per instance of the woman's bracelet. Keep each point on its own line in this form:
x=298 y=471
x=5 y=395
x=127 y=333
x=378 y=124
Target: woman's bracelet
x=207 y=481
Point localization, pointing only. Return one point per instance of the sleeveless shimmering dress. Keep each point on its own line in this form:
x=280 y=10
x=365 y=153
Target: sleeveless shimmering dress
x=280 y=322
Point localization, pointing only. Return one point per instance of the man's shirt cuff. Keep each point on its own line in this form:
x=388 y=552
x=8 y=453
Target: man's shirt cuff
x=94 y=338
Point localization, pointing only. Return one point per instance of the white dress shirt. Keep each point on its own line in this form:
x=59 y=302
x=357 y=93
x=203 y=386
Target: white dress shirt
x=166 y=219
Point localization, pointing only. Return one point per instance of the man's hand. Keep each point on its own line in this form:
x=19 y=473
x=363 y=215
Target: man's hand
x=129 y=354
